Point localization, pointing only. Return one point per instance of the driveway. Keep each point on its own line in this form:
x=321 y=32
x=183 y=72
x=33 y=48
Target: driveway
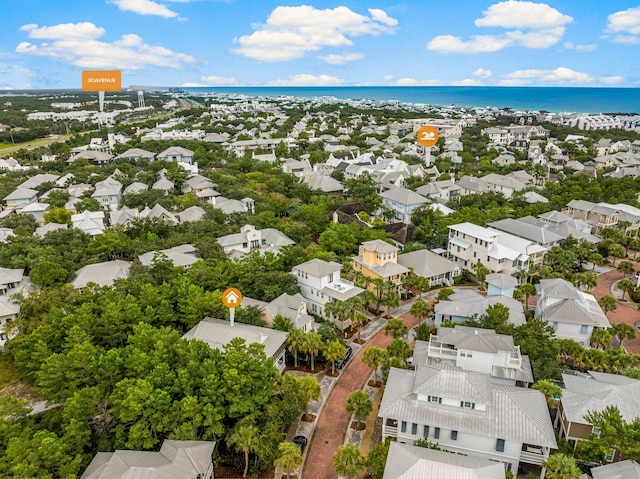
x=333 y=423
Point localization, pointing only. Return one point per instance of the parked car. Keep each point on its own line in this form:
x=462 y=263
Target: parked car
x=340 y=364
x=301 y=441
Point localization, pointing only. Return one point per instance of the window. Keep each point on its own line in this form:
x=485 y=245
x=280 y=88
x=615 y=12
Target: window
x=425 y=431
x=500 y=445
x=434 y=399
x=403 y=426
x=555 y=326
x=595 y=431
x=584 y=329
x=454 y=435
x=414 y=429
x=608 y=457
x=467 y=405
x=331 y=278
x=436 y=433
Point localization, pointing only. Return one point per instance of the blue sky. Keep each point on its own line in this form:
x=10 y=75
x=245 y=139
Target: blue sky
x=46 y=44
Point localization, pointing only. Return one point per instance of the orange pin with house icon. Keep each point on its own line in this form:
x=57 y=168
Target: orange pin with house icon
x=232 y=298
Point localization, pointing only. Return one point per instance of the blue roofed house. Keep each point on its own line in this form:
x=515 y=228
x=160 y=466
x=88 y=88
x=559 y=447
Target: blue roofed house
x=403 y=201
x=500 y=284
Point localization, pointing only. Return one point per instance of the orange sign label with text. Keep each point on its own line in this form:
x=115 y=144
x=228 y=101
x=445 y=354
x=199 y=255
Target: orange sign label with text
x=232 y=297
x=101 y=80
x=427 y=136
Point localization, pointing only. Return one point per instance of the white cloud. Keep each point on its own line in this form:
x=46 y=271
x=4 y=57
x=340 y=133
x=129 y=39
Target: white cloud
x=477 y=44
x=625 y=21
x=558 y=76
x=64 y=31
x=580 y=48
x=613 y=80
x=414 y=82
x=218 y=80
x=529 y=25
x=468 y=82
x=382 y=17
x=305 y=79
x=515 y=14
x=293 y=32
x=14 y=76
x=388 y=77
x=482 y=73
x=335 y=59
x=626 y=39
x=144 y=7
x=78 y=45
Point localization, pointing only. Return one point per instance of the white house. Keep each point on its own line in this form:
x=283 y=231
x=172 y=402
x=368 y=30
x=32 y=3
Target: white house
x=437 y=269
x=217 y=333
x=320 y=283
x=108 y=193
x=479 y=350
x=20 y=197
x=468 y=304
x=249 y=238
x=465 y=413
x=181 y=256
x=101 y=274
x=175 y=459
x=90 y=222
x=176 y=154
x=499 y=251
x=573 y=314
x=405 y=461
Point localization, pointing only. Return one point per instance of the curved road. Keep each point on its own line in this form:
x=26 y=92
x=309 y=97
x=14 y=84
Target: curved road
x=333 y=422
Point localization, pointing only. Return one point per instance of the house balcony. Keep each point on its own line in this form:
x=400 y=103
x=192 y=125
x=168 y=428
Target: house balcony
x=441 y=351
x=534 y=454
x=390 y=428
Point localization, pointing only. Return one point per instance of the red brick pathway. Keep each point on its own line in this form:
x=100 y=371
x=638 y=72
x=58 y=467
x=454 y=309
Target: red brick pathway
x=626 y=312
x=332 y=424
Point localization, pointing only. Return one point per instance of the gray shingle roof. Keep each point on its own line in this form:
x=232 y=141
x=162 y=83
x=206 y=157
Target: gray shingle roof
x=319 y=267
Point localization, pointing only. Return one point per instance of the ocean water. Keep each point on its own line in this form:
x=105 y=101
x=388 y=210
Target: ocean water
x=552 y=99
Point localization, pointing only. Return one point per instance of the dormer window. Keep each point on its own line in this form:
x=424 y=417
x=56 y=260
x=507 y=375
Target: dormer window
x=435 y=399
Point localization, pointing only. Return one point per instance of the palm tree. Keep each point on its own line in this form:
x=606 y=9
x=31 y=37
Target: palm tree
x=589 y=279
x=295 y=338
x=481 y=272
x=368 y=298
x=616 y=250
x=334 y=351
x=314 y=344
x=333 y=309
x=374 y=357
x=421 y=284
x=420 y=309
x=622 y=331
x=527 y=290
x=561 y=466
x=396 y=328
x=596 y=259
x=550 y=390
x=626 y=286
x=289 y=457
x=390 y=299
x=358 y=319
x=348 y=461
x=243 y=438
x=601 y=338
x=359 y=404
x=608 y=303
x=626 y=268
x=381 y=286
x=310 y=389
